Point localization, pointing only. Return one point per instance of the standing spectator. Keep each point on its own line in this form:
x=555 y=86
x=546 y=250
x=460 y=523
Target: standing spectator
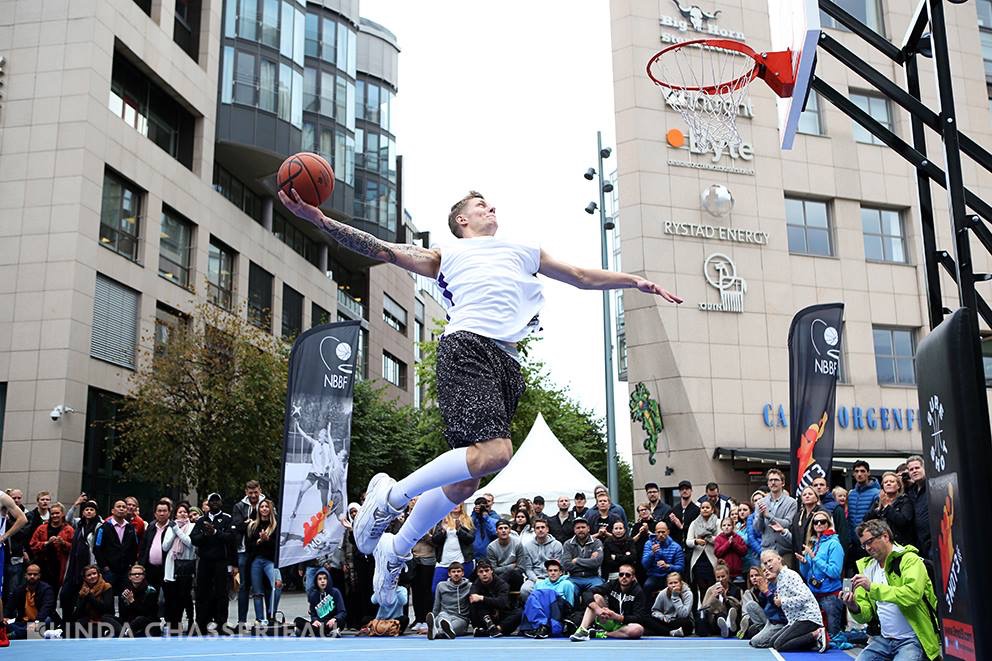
x=580 y=510
x=50 y=546
x=180 y=568
x=657 y=508
x=484 y=522
x=840 y=495
x=730 y=548
x=30 y=605
x=821 y=564
x=326 y=608
x=537 y=511
x=81 y=554
x=560 y=524
x=358 y=589
x=699 y=544
x=152 y=555
x=423 y=564
x=619 y=609
x=14 y=547
x=802 y=525
x=539 y=550
x=640 y=531
x=245 y=510
x=722 y=505
x=862 y=495
x=721 y=604
x=661 y=557
x=138 y=604
x=744 y=526
x=916 y=491
x=896 y=590
x=489 y=603
x=765 y=612
x=116 y=547
x=822 y=489
x=601 y=518
x=506 y=556
x=672 y=610
x=614 y=509
x=452 y=540
x=37 y=517
x=521 y=527
x=618 y=549
x=133 y=516
x=895 y=508
x=684 y=512
x=261 y=543
x=582 y=556
x=213 y=538
x=838 y=515
x=804 y=623
x=95 y=602
x=449 y=617
x=774 y=517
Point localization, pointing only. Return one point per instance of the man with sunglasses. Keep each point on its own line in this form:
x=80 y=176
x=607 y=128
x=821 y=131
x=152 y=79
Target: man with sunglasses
x=618 y=609
x=892 y=584
x=821 y=564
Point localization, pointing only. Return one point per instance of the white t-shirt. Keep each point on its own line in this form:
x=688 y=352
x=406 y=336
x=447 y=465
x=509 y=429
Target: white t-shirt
x=491 y=287
x=452 y=550
x=894 y=623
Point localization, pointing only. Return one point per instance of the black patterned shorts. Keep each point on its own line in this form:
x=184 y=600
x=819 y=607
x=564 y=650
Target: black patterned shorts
x=478 y=386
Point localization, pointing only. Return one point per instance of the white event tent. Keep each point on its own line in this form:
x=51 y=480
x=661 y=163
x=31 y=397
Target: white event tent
x=541 y=466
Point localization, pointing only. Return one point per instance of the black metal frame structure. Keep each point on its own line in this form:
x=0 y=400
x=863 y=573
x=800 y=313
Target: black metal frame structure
x=970 y=215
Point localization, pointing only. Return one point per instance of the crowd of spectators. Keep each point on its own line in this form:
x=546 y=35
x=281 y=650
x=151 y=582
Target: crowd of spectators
x=781 y=570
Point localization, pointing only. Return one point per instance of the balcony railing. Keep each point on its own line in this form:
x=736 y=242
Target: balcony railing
x=350 y=304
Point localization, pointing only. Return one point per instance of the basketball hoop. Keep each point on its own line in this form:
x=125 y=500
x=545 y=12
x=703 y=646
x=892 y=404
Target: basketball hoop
x=707 y=81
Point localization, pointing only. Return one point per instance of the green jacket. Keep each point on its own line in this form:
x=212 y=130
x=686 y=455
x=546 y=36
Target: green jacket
x=907 y=590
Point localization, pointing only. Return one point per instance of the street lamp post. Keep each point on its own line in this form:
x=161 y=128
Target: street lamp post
x=606 y=224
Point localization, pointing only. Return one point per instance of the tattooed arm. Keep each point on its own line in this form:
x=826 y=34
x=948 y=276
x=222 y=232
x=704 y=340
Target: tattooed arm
x=412 y=258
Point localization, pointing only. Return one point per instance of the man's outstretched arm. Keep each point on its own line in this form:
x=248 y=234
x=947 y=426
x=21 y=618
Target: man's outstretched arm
x=599 y=279
x=412 y=258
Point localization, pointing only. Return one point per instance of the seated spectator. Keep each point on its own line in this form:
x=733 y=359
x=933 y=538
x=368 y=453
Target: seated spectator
x=489 y=603
x=662 y=556
x=453 y=539
x=551 y=601
x=618 y=549
x=95 y=605
x=892 y=506
x=751 y=621
x=521 y=527
x=744 y=526
x=721 y=605
x=582 y=556
x=730 y=548
x=30 y=605
x=560 y=523
x=450 y=615
x=50 y=546
x=326 y=608
x=395 y=612
x=699 y=543
x=540 y=549
x=558 y=581
x=580 y=510
x=671 y=614
x=765 y=611
x=614 y=509
x=804 y=624
x=506 y=556
x=138 y=605
x=618 y=609
x=822 y=565
x=601 y=518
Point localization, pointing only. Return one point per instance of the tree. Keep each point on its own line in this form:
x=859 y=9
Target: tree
x=578 y=429
x=206 y=411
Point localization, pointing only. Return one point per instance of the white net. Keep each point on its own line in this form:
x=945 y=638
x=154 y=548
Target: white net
x=708 y=86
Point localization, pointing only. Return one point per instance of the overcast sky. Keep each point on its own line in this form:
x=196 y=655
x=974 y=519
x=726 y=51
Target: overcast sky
x=506 y=98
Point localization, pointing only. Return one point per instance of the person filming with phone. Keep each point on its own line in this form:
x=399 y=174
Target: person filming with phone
x=892 y=587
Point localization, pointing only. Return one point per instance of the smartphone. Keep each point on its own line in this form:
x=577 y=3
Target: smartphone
x=846 y=585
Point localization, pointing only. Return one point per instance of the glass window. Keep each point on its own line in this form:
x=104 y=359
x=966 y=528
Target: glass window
x=247 y=19
x=298 y=37
x=393 y=314
x=339 y=147
x=986 y=38
x=328 y=40
x=883 y=235
x=309 y=136
x=310 y=98
x=175 y=246
x=808 y=225
x=268 y=87
x=167 y=322
x=286 y=33
x=114 y=336
x=372 y=104
x=186 y=27
x=984 y=13
x=372 y=151
x=349 y=160
x=340 y=111
x=393 y=370
x=285 y=91
x=385 y=101
x=318 y=315
x=296 y=116
x=868 y=12
x=230 y=19
x=878 y=108
x=292 y=312
x=895 y=356
x=220 y=275
x=352 y=54
x=327 y=145
x=342 y=55
x=810 y=121
x=270 y=23
x=312 y=46
x=359 y=148
x=349 y=106
x=227 y=81
x=245 y=82
x=260 y=297
x=360 y=99
x=327 y=94
x=120 y=216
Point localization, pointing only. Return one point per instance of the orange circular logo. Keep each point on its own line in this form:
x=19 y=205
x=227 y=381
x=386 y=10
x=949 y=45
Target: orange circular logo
x=676 y=138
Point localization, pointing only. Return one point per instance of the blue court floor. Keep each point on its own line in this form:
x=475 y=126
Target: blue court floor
x=412 y=648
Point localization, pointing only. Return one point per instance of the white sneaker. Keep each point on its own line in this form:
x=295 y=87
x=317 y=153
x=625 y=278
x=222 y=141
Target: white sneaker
x=375 y=514
x=724 y=627
x=388 y=567
x=822 y=641
x=677 y=633
x=53 y=634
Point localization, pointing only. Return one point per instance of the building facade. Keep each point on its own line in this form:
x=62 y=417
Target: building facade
x=139 y=142
x=834 y=219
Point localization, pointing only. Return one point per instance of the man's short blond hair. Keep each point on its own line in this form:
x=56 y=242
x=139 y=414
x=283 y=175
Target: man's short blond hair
x=456 y=210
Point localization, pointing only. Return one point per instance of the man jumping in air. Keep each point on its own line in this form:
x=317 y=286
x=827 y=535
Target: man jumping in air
x=494 y=297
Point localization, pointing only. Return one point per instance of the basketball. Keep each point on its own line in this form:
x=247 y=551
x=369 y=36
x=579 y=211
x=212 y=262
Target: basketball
x=309 y=175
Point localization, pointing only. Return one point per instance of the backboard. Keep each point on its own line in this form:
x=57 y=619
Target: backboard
x=795 y=26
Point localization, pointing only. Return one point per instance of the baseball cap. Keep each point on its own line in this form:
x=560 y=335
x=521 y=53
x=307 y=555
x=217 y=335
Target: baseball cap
x=539 y=500
x=579 y=494
x=551 y=561
x=684 y=484
x=651 y=485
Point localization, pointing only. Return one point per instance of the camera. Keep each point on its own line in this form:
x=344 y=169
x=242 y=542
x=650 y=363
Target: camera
x=56 y=413
x=905 y=477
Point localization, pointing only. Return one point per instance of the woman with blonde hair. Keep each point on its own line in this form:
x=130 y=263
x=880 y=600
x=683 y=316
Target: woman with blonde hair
x=895 y=508
x=452 y=539
x=260 y=543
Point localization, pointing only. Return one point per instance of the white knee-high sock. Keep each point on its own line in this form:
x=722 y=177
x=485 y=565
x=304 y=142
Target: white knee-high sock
x=431 y=507
x=450 y=467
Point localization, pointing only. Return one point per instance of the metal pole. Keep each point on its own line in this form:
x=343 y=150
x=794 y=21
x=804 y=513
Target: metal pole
x=613 y=481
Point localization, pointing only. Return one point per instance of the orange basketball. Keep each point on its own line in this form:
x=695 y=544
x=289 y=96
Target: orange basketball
x=309 y=175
